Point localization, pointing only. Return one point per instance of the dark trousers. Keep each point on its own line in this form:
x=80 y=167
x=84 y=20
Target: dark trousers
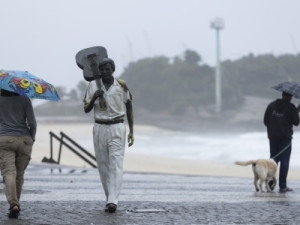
x=277 y=146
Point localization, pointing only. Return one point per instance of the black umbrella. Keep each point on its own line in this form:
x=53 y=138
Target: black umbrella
x=290 y=87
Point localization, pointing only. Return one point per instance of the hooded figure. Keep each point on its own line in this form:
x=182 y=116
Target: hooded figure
x=279 y=118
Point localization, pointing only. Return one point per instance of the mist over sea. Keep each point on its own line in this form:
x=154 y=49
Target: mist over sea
x=218 y=147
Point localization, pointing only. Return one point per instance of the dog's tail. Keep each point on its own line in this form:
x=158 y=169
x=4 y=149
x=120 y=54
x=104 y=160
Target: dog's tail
x=245 y=163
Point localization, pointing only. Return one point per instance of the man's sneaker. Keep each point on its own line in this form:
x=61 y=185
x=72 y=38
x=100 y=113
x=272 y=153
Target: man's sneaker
x=14 y=211
x=283 y=190
x=111 y=207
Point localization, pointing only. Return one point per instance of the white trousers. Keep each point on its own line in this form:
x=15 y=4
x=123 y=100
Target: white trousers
x=109 y=145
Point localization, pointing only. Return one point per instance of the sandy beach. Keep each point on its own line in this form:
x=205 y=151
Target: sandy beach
x=134 y=161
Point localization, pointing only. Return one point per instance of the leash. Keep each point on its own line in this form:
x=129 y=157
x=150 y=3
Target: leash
x=285 y=148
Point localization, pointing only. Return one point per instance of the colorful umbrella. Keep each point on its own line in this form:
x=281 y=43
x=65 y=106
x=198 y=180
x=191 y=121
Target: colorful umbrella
x=24 y=83
x=290 y=87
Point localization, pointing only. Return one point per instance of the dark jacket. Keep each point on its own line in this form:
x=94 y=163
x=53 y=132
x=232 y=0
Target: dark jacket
x=280 y=116
x=17 y=117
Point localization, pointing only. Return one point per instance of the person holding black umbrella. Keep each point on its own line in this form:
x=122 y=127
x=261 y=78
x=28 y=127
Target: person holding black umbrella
x=17 y=135
x=279 y=118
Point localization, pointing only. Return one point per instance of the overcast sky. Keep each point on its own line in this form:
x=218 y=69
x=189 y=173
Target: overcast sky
x=43 y=36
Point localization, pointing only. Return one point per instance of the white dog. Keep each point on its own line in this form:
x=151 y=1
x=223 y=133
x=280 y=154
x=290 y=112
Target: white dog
x=264 y=170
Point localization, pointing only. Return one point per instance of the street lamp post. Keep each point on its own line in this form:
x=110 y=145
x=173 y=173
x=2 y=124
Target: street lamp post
x=218 y=24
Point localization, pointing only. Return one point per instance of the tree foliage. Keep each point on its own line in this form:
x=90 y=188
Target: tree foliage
x=257 y=75
x=191 y=56
x=175 y=85
x=161 y=84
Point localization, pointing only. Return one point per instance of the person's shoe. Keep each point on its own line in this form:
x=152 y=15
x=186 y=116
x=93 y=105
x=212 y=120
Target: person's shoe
x=106 y=208
x=14 y=211
x=111 y=207
x=283 y=190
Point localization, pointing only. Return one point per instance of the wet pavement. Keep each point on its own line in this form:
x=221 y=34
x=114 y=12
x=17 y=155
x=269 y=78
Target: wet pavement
x=69 y=195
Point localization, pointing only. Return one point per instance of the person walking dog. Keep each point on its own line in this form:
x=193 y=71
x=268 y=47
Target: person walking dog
x=279 y=118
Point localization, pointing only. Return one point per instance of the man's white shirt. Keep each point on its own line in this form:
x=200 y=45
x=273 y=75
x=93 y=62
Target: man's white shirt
x=115 y=97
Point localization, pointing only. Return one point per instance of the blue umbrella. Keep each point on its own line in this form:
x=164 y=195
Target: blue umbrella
x=290 y=87
x=24 y=83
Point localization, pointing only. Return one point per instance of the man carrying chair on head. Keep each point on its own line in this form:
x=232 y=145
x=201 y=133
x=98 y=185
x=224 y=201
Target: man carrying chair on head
x=111 y=100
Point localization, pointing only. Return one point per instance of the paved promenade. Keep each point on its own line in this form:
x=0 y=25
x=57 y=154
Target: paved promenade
x=74 y=196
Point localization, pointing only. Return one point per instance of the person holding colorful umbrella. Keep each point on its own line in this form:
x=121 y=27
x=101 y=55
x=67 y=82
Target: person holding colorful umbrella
x=17 y=135
x=18 y=128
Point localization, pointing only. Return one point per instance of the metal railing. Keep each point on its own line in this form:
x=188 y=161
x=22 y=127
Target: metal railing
x=88 y=157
